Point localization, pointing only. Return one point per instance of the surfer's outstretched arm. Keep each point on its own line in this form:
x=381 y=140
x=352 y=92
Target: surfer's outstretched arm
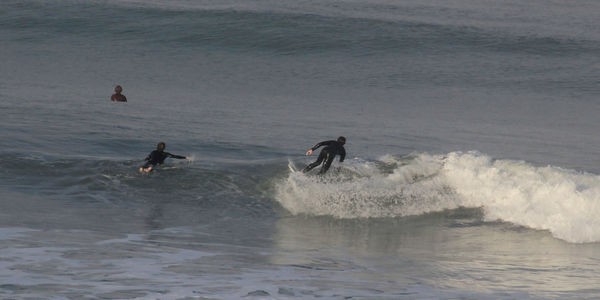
x=175 y=156
x=315 y=147
x=323 y=143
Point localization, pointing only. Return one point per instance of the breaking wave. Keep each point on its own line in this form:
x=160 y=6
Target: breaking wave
x=564 y=202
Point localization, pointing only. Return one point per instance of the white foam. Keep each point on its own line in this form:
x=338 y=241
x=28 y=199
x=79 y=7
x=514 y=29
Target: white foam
x=564 y=202
x=362 y=190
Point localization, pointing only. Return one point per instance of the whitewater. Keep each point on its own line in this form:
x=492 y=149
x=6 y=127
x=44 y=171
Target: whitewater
x=564 y=202
x=472 y=167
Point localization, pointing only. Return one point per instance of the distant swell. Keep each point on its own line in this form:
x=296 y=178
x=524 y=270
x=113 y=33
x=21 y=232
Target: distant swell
x=280 y=32
x=564 y=202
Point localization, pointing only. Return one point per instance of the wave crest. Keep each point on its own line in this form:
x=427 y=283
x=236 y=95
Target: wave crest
x=565 y=202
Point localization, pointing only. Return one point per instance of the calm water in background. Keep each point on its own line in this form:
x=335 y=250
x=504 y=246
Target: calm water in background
x=472 y=162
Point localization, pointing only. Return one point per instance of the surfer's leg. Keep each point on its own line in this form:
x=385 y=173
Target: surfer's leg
x=322 y=156
x=147 y=167
x=327 y=163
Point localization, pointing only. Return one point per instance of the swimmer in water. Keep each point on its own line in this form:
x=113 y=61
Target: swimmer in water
x=117 y=96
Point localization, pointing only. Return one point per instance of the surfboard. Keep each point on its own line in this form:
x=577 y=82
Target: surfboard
x=292 y=167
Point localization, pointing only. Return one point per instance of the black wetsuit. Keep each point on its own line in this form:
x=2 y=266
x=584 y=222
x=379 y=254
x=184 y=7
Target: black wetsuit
x=327 y=155
x=158 y=157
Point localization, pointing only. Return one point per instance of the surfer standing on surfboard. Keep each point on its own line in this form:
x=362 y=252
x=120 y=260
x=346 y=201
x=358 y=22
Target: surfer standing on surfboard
x=327 y=155
x=157 y=157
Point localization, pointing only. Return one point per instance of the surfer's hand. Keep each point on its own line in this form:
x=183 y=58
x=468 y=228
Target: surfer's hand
x=309 y=152
x=188 y=158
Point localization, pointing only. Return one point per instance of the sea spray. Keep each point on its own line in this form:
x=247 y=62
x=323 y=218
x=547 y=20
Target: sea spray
x=362 y=189
x=564 y=202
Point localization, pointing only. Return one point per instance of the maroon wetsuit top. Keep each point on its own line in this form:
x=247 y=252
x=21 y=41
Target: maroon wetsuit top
x=118 y=98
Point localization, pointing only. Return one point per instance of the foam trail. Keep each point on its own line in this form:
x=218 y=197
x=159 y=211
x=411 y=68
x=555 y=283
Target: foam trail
x=564 y=202
x=364 y=189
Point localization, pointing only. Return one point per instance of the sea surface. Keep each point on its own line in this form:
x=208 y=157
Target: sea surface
x=473 y=166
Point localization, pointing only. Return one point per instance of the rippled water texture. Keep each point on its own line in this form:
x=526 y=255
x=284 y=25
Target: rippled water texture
x=472 y=167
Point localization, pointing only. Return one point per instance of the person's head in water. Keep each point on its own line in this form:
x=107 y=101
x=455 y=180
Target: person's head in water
x=118 y=89
x=341 y=140
x=161 y=146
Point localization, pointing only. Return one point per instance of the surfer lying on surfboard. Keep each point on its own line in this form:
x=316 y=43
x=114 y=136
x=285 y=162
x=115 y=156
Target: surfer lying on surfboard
x=157 y=157
x=327 y=155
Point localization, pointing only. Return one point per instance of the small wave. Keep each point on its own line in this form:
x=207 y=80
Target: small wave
x=285 y=31
x=117 y=180
x=564 y=202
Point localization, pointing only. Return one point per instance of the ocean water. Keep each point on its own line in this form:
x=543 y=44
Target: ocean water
x=473 y=167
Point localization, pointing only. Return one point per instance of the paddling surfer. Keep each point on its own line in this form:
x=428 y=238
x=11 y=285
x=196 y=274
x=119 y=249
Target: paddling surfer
x=157 y=157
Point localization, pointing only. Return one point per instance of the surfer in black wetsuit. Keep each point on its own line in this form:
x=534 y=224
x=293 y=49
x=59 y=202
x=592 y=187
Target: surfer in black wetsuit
x=157 y=157
x=332 y=148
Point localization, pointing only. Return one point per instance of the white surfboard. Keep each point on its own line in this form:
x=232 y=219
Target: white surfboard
x=292 y=167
